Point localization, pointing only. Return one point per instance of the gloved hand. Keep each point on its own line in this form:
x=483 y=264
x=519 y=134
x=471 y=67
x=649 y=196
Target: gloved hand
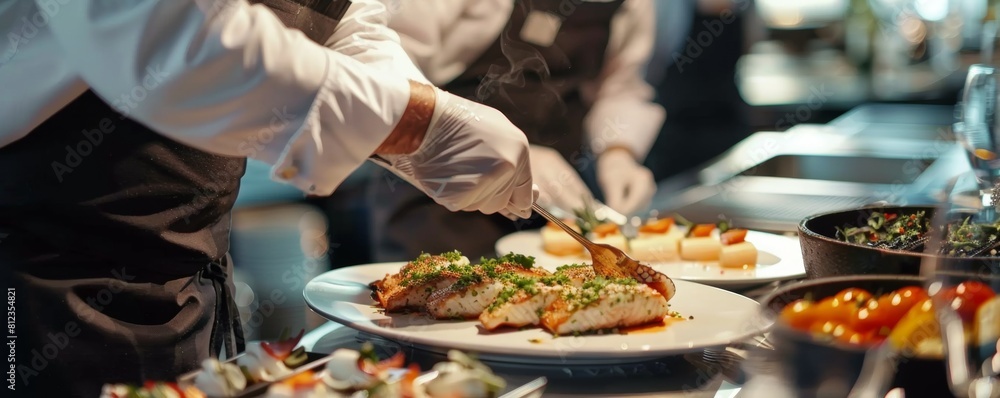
x=472 y=158
x=627 y=185
x=559 y=184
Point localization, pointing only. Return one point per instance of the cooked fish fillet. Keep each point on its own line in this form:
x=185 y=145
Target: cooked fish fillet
x=467 y=299
x=523 y=307
x=577 y=273
x=416 y=281
x=603 y=305
x=464 y=303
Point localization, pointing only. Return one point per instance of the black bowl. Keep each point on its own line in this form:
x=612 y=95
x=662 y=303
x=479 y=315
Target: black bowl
x=814 y=368
x=824 y=255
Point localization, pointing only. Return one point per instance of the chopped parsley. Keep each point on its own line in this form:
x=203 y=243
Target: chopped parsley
x=568 y=267
x=515 y=285
x=526 y=262
x=453 y=256
x=591 y=291
x=555 y=279
x=467 y=277
x=890 y=230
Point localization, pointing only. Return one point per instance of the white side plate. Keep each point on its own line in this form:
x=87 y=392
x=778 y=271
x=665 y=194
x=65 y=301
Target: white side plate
x=779 y=258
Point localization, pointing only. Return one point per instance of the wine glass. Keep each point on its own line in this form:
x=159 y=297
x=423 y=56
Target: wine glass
x=962 y=271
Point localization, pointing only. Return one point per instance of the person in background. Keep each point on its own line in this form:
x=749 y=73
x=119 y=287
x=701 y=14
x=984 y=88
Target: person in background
x=693 y=70
x=126 y=130
x=569 y=74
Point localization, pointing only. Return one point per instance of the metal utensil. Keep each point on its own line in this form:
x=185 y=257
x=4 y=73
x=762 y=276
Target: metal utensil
x=723 y=362
x=532 y=389
x=607 y=260
x=628 y=227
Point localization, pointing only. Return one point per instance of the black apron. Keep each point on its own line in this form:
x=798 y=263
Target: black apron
x=538 y=87
x=115 y=240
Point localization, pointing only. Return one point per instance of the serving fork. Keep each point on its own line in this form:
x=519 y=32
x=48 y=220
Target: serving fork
x=608 y=261
x=629 y=227
x=611 y=262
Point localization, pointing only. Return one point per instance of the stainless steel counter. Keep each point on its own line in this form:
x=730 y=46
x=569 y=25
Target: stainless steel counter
x=900 y=154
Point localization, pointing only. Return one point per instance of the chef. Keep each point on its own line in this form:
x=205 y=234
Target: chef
x=126 y=125
x=570 y=73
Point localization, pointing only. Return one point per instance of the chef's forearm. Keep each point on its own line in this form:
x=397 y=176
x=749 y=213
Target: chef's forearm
x=409 y=133
x=233 y=80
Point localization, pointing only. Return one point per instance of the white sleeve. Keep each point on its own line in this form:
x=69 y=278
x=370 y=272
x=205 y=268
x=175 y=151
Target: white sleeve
x=364 y=35
x=229 y=78
x=623 y=113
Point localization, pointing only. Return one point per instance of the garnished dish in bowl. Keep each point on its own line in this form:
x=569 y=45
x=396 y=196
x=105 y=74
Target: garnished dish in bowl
x=904 y=317
x=823 y=330
x=888 y=230
x=889 y=240
x=884 y=240
x=909 y=232
x=510 y=291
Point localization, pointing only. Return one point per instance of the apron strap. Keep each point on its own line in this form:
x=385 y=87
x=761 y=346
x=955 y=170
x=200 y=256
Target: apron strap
x=318 y=19
x=227 y=332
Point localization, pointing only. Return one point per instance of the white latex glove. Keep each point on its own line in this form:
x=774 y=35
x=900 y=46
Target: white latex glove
x=471 y=159
x=559 y=184
x=627 y=185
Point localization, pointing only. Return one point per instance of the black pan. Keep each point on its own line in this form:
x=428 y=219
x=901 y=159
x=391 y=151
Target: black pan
x=824 y=255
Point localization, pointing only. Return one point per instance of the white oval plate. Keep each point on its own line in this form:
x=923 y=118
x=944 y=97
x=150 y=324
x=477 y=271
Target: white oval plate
x=779 y=258
x=720 y=318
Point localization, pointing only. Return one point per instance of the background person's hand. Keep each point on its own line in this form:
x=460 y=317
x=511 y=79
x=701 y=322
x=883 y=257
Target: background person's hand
x=559 y=184
x=472 y=158
x=627 y=185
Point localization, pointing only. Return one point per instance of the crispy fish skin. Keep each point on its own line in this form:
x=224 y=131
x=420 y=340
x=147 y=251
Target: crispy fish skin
x=579 y=310
x=468 y=301
x=414 y=283
x=524 y=308
x=578 y=274
x=464 y=303
x=415 y=296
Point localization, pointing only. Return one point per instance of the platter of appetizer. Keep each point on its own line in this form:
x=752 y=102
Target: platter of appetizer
x=507 y=309
x=276 y=370
x=714 y=254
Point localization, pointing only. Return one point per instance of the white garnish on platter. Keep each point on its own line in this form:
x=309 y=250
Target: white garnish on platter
x=317 y=391
x=219 y=379
x=343 y=373
x=261 y=365
x=463 y=376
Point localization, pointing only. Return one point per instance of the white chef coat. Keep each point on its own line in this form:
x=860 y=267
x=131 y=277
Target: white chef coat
x=444 y=37
x=218 y=75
